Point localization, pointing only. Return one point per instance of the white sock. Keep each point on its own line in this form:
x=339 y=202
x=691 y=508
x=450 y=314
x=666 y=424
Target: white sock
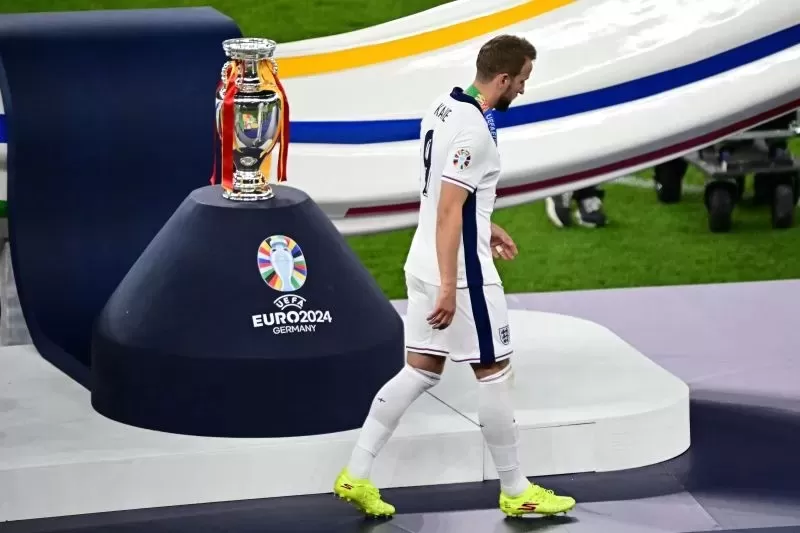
x=496 y=416
x=389 y=404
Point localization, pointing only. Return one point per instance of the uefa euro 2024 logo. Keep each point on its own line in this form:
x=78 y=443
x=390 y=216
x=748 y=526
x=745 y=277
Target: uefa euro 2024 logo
x=282 y=263
x=283 y=268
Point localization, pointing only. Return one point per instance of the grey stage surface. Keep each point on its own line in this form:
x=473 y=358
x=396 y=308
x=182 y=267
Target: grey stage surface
x=736 y=345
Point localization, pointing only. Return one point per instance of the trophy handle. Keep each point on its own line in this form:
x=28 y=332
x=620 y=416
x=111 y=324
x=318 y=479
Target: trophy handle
x=225 y=73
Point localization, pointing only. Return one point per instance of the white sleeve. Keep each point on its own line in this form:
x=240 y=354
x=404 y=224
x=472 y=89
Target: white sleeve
x=465 y=159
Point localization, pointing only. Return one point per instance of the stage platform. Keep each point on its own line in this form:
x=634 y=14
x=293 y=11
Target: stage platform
x=586 y=401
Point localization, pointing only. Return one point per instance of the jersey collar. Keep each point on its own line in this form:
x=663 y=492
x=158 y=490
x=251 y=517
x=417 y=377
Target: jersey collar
x=459 y=94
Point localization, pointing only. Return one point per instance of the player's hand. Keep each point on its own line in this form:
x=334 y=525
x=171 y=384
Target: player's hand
x=502 y=244
x=445 y=309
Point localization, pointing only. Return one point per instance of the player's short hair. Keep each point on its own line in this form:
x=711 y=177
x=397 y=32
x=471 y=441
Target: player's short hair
x=504 y=54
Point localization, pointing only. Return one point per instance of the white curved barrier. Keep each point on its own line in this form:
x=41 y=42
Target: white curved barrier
x=619 y=85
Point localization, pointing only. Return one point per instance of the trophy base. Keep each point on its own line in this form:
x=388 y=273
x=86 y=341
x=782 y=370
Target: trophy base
x=254 y=196
x=248 y=186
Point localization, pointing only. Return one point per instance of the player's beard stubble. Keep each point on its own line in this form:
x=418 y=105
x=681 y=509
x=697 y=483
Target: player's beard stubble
x=503 y=103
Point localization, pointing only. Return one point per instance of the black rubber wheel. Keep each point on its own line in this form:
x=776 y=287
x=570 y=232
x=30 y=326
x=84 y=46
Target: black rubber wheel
x=783 y=205
x=720 y=209
x=668 y=180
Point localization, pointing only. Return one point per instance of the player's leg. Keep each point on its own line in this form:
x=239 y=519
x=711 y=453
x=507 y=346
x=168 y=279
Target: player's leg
x=419 y=374
x=424 y=365
x=498 y=425
x=490 y=358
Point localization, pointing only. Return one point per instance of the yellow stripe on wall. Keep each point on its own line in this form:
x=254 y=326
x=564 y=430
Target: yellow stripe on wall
x=361 y=56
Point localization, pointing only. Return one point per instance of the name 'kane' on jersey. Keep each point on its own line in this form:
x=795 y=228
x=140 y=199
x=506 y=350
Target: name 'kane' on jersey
x=457 y=147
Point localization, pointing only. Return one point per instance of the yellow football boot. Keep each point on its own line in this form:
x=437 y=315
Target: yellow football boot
x=535 y=500
x=362 y=494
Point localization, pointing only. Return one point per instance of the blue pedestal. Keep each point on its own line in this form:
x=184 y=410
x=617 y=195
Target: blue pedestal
x=245 y=319
x=110 y=118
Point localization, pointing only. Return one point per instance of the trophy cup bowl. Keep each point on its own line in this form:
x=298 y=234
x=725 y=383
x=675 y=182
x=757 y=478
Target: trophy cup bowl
x=257 y=114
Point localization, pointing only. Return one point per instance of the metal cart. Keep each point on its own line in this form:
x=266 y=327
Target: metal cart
x=761 y=151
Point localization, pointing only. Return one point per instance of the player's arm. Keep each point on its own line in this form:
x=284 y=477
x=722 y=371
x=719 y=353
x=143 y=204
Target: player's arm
x=463 y=170
x=448 y=238
x=448 y=232
x=460 y=178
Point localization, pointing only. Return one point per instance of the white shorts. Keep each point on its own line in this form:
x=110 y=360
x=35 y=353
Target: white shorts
x=479 y=332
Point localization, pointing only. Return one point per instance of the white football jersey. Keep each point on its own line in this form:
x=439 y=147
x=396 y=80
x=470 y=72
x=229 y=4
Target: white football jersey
x=456 y=146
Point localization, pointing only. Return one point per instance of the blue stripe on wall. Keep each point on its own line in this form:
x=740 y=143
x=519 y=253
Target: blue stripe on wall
x=378 y=131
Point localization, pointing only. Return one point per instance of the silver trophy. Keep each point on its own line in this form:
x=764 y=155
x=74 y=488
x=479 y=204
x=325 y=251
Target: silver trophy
x=255 y=109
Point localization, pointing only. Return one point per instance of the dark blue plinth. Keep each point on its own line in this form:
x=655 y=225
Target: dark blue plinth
x=110 y=123
x=204 y=337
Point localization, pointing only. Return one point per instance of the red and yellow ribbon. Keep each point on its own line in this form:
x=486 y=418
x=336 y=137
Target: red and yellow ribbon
x=270 y=82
